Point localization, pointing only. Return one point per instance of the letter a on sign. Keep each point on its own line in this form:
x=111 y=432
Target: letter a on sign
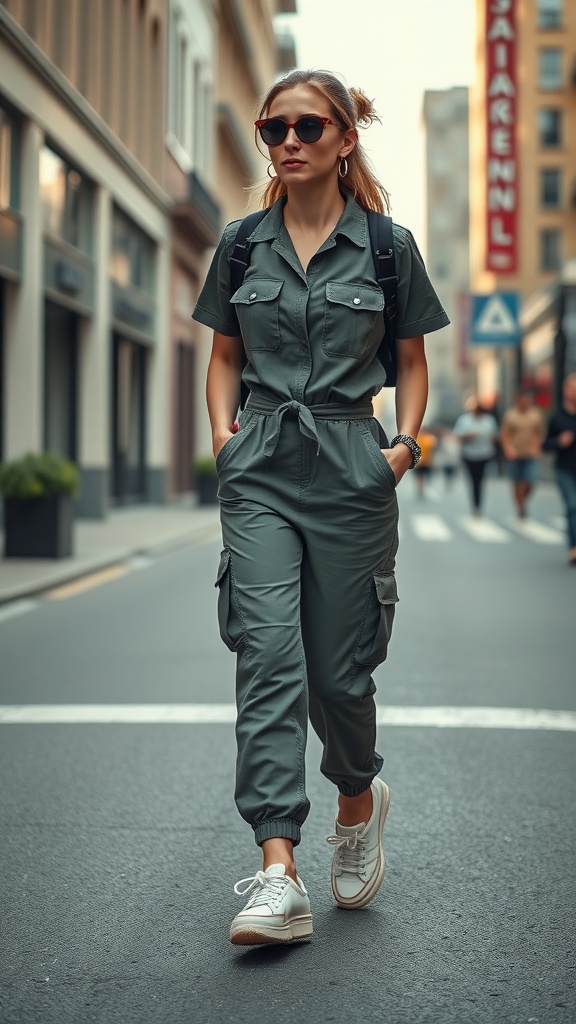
x=495 y=319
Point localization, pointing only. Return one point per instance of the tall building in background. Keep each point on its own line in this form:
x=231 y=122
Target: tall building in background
x=447 y=223
x=523 y=185
x=125 y=144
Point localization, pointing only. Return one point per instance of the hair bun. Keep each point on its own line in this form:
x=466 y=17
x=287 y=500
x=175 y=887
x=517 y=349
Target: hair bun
x=365 y=113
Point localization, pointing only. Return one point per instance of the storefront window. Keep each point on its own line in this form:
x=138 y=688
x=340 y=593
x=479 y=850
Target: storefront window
x=132 y=261
x=66 y=200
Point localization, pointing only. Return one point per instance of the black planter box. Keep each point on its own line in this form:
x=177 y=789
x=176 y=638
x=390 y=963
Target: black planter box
x=38 y=528
x=207 y=490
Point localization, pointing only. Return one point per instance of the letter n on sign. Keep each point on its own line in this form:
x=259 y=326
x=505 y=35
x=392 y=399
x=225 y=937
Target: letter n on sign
x=501 y=155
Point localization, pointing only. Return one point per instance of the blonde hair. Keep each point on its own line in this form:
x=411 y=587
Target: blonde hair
x=350 y=108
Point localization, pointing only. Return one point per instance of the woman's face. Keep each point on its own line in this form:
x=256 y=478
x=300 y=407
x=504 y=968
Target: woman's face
x=297 y=162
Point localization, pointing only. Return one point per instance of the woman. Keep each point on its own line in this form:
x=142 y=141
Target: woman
x=477 y=430
x=307 y=491
x=561 y=439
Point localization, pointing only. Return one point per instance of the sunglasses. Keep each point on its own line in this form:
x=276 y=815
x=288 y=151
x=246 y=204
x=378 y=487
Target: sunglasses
x=309 y=128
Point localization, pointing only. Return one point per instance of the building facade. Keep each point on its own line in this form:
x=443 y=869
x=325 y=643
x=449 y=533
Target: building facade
x=85 y=241
x=121 y=139
x=250 y=56
x=447 y=234
x=523 y=174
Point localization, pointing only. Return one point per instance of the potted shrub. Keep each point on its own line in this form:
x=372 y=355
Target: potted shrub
x=206 y=480
x=39 y=492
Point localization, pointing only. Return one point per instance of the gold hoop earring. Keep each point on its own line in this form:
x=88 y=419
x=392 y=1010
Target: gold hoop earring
x=343 y=167
x=268 y=171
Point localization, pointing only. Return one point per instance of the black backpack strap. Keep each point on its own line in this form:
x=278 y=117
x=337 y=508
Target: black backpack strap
x=239 y=263
x=240 y=257
x=382 y=244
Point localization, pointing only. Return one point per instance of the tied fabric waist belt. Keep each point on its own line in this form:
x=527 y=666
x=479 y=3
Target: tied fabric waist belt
x=306 y=415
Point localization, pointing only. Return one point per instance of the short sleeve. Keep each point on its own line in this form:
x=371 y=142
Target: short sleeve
x=418 y=308
x=213 y=307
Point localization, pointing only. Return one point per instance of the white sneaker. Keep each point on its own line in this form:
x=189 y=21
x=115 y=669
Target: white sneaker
x=277 y=911
x=358 y=862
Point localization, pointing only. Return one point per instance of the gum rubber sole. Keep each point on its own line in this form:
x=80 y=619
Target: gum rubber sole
x=254 y=934
x=365 y=897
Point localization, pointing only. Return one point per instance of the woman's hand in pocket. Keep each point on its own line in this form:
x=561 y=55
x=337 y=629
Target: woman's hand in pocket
x=219 y=440
x=399 y=459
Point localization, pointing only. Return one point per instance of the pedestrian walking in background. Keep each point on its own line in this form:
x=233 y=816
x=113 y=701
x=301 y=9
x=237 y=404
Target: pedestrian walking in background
x=427 y=441
x=521 y=436
x=478 y=431
x=447 y=454
x=307 y=490
x=561 y=438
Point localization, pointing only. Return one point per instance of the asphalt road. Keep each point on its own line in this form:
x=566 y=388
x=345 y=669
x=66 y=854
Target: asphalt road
x=120 y=843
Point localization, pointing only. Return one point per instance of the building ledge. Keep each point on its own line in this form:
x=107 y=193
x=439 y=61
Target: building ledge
x=200 y=210
x=285 y=51
x=229 y=123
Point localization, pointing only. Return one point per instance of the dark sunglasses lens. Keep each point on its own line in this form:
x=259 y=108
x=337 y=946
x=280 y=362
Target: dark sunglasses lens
x=274 y=131
x=309 y=129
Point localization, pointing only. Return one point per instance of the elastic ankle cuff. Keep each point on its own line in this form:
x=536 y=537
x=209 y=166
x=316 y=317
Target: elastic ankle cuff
x=277 y=828
x=354 y=789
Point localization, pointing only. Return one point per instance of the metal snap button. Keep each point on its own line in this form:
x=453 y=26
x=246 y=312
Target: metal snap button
x=253 y=296
x=356 y=301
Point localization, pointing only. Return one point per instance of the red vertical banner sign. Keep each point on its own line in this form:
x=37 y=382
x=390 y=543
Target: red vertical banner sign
x=502 y=194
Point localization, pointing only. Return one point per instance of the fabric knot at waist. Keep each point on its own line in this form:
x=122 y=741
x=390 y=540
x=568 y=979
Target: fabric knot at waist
x=270 y=405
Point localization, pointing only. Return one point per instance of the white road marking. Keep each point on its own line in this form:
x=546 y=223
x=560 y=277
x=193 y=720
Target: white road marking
x=139 y=562
x=14 y=608
x=533 y=530
x=428 y=527
x=478 y=718
x=216 y=714
x=484 y=530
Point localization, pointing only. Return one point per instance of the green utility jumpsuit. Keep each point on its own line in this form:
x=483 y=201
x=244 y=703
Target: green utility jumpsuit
x=309 y=514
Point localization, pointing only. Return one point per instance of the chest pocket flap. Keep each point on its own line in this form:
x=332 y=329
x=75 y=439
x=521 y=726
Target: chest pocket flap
x=257 y=289
x=257 y=306
x=353 y=321
x=356 y=296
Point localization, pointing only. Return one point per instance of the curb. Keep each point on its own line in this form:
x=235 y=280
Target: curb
x=69 y=574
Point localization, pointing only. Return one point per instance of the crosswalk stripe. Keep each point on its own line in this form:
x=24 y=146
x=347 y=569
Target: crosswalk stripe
x=14 y=608
x=218 y=714
x=537 y=532
x=428 y=527
x=484 y=530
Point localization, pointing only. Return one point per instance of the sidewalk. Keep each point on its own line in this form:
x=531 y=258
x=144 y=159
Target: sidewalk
x=101 y=543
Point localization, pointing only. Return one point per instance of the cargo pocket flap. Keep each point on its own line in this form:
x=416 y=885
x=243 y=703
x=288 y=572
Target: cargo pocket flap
x=386 y=589
x=257 y=290
x=355 y=296
x=223 y=567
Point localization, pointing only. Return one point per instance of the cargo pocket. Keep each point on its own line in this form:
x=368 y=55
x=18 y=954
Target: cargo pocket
x=372 y=647
x=228 y=618
x=257 y=308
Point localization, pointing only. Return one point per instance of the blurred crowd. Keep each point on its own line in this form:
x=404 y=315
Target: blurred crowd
x=481 y=444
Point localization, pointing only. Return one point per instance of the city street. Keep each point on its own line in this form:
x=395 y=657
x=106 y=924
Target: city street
x=121 y=843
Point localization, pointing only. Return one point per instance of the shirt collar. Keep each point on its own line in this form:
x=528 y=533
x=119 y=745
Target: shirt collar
x=352 y=223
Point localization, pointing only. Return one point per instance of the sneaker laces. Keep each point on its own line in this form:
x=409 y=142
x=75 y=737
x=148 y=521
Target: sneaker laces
x=349 y=853
x=269 y=889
